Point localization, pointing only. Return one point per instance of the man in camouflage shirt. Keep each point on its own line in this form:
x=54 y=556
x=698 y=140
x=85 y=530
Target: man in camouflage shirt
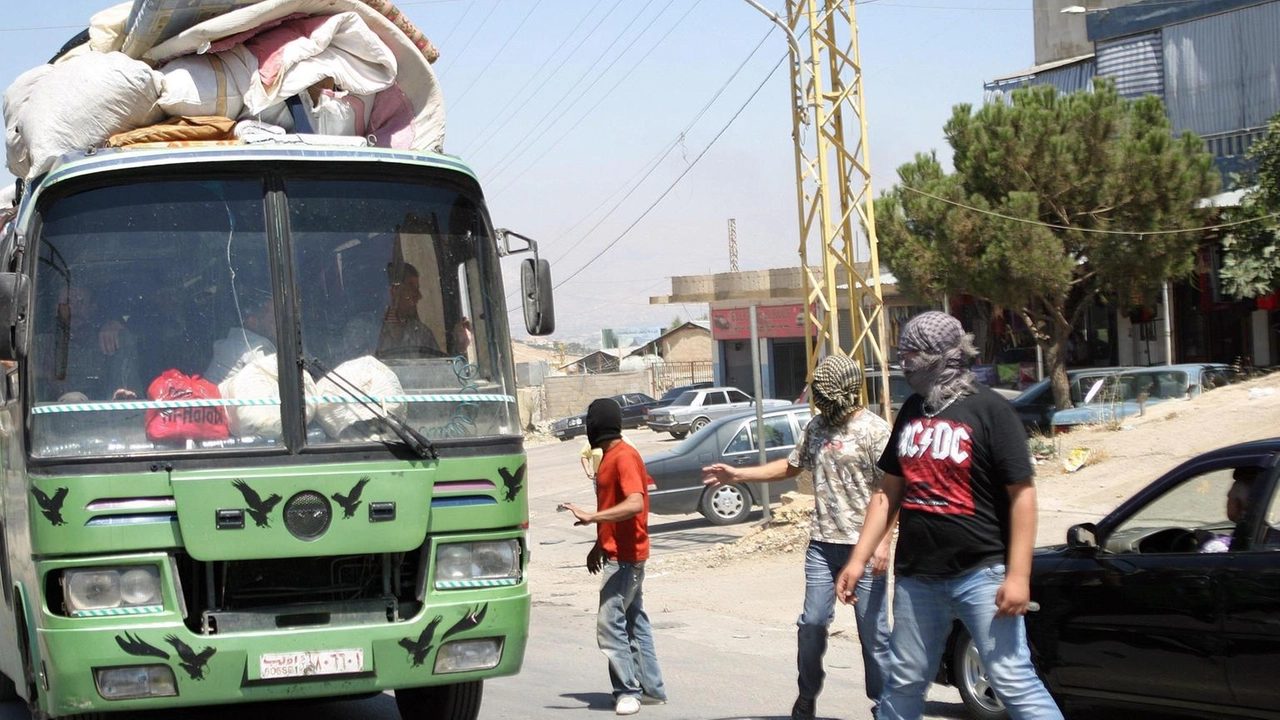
x=840 y=447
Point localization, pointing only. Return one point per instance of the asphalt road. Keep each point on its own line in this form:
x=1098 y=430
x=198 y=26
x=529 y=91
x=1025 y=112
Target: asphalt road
x=725 y=635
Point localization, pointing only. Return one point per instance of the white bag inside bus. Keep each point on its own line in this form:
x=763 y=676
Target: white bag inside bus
x=259 y=378
x=368 y=375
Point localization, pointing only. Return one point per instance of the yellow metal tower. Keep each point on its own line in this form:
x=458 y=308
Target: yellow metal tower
x=833 y=185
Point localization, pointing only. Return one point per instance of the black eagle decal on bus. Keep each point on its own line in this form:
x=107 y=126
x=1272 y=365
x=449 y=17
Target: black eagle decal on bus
x=351 y=500
x=51 y=507
x=135 y=645
x=418 y=649
x=470 y=621
x=259 y=509
x=511 y=482
x=191 y=661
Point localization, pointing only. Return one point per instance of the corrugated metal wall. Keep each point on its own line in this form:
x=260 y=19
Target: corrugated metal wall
x=1222 y=73
x=1068 y=79
x=1136 y=63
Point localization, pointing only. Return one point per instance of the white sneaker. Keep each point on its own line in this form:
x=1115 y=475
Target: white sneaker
x=651 y=700
x=627 y=705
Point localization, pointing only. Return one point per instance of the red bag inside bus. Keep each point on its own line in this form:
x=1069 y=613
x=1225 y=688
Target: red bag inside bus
x=185 y=423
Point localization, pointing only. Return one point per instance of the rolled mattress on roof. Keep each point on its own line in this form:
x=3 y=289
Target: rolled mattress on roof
x=415 y=79
x=153 y=21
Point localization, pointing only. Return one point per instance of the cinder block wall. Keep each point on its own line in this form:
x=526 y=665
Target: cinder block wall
x=571 y=394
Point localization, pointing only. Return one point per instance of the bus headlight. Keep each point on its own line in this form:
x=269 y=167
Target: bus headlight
x=112 y=590
x=477 y=564
x=138 y=681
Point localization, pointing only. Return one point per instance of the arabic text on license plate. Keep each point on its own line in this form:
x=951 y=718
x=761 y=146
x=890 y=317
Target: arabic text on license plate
x=315 y=662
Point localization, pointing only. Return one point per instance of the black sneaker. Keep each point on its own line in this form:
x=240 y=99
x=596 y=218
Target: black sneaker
x=803 y=709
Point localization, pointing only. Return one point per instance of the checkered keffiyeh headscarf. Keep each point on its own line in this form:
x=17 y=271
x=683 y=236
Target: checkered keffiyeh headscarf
x=836 y=386
x=940 y=370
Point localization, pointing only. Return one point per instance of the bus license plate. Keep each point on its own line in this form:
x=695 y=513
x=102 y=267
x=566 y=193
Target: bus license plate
x=310 y=662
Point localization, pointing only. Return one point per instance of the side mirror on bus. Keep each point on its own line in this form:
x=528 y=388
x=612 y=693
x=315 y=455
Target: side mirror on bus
x=15 y=293
x=535 y=291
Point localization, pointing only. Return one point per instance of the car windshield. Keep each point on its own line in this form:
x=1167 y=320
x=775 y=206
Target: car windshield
x=158 y=311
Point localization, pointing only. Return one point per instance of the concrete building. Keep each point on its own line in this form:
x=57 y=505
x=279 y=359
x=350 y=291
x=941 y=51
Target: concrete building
x=778 y=297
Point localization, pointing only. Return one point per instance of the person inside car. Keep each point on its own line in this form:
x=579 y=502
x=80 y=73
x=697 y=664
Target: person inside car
x=1237 y=505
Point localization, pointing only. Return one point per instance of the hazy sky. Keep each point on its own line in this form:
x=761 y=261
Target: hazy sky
x=581 y=116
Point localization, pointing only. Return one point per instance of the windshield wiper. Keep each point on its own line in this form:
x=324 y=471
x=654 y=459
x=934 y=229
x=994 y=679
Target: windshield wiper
x=414 y=440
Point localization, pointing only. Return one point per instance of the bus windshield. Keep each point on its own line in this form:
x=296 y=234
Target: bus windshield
x=184 y=315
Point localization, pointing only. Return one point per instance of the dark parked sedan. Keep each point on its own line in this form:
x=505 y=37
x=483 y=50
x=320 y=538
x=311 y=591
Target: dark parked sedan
x=635 y=406
x=1170 y=603
x=733 y=440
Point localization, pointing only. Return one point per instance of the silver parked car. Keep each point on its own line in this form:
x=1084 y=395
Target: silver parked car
x=693 y=410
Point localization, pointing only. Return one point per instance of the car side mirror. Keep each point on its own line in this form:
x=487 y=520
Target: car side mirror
x=535 y=291
x=1084 y=535
x=15 y=294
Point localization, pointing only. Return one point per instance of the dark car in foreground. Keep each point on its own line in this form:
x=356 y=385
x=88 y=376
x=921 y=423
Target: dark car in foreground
x=1169 y=603
x=635 y=407
x=734 y=440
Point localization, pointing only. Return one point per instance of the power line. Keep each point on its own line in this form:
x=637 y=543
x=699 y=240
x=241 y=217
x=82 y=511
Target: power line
x=494 y=55
x=1139 y=233
x=600 y=97
x=546 y=76
x=671 y=146
x=453 y=60
x=687 y=170
x=520 y=144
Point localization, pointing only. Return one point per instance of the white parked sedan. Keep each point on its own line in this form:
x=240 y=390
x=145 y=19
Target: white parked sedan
x=693 y=410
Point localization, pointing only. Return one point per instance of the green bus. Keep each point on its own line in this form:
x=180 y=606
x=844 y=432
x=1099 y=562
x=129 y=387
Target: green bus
x=259 y=434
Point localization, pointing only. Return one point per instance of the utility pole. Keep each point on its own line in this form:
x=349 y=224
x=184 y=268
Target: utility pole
x=733 y=245
x=833 y=186
x=827 y=103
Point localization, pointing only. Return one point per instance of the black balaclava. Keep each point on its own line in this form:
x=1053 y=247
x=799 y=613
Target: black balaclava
x=837 y=383
x=604 y=422
x=940 y=370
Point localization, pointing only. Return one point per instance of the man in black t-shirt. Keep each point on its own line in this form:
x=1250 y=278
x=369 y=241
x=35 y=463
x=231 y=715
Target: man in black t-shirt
x=958 y=479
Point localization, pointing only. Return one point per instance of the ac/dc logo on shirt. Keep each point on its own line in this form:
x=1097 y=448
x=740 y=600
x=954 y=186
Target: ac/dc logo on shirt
x=936 y=457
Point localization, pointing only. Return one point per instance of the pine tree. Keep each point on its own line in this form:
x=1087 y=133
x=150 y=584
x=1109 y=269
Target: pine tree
x=1016 y=224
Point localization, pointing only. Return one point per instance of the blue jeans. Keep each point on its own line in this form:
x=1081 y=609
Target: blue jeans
x=623 y=632
x=922 y=613
x=822 y=565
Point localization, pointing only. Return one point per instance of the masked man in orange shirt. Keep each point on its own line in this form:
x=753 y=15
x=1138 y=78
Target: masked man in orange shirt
x=621 y=549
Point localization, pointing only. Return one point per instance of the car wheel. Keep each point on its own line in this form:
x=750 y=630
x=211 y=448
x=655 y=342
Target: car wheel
x=698 y=424
x=971 y=680
x=725 y=504
x=678 y=435
x=460 y=701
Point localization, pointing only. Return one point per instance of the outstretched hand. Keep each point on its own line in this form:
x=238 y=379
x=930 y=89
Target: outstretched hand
x=718 y=474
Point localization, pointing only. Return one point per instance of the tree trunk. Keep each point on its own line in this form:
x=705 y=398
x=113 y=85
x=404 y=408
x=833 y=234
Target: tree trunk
x=1056 y=359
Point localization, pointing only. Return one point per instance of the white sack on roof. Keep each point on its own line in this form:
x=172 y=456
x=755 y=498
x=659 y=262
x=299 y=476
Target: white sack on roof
x=212 y=84
x=75 y=105
x=17 y=154
x=372 y=378
x=411 y=119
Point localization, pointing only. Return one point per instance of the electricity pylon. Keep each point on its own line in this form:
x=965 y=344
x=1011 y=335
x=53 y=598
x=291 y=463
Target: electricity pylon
x=833 y=185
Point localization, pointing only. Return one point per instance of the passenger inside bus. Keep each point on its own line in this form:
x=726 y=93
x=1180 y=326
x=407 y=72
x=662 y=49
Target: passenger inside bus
x=403 y=334
x=258 y=333
x=89 y=356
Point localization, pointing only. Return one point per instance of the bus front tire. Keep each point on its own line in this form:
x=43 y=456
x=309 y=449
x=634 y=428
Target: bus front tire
x=460 y=701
